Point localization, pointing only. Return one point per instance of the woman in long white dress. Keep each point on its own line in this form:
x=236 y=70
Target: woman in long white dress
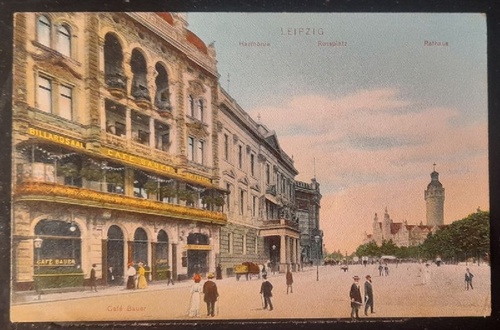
x=194 y=304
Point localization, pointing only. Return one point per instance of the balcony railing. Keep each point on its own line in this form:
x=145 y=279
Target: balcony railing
x=51 y=192
x=280 y=223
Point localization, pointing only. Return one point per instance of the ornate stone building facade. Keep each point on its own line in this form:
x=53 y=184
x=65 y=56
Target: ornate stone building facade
x=308 y=204
x=259 y=176
x=114 y=147
x=126 y=149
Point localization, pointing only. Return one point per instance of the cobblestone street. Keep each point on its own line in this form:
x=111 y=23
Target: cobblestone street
x=399 y=295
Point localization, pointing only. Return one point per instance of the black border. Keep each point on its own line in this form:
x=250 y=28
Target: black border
x=490 y=7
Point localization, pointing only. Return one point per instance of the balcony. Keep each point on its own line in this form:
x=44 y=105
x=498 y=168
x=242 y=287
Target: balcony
x=56 y=193
x=281 y=223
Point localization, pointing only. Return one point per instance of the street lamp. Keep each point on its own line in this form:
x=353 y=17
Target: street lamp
x=273 y=265
x=38 y=245
x=316 y=238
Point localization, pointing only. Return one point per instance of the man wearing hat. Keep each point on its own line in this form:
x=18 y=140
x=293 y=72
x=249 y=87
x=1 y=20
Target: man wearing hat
x=356 y=300
x=368 y=294
x=210 y=294
x=265 y=291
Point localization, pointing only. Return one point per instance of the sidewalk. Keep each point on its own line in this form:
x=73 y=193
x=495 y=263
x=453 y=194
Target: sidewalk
x=31 y=297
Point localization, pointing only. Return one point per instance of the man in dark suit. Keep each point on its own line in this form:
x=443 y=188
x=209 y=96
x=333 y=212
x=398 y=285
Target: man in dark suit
x=356 y=300
x=265 y=291
x=368 y=295
x=210 y=294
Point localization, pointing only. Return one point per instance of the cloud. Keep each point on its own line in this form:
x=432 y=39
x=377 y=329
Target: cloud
x=371 y=145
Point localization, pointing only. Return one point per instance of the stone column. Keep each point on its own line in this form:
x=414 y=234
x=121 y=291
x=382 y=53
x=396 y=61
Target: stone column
x=283 y=254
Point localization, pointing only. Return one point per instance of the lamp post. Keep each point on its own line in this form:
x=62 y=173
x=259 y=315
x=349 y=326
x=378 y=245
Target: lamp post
x=316 y=238
x=38 y=245
x=273 y=259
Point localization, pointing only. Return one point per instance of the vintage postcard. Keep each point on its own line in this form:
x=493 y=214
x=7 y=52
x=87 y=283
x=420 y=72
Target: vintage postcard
x=205 y=167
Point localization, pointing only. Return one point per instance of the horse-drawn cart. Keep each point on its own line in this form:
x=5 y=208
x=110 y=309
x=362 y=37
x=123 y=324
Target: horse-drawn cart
x=248 y=269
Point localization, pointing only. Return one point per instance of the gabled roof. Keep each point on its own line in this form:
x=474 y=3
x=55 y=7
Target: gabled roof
x=272 y=139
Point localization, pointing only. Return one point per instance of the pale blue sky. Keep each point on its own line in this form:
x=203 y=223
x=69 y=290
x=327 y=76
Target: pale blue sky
x=375 y=114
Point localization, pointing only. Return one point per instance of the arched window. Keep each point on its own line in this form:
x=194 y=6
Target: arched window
x=115 y=252
x=162 y=96
x=191 y=106
x=113 y=63
x=162 y=249
x=43 y=30
x=200 y=110
x=140 y=246
x=139 y=81
x=64 y=40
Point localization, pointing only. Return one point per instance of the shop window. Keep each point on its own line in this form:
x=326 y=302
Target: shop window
x=61 y=245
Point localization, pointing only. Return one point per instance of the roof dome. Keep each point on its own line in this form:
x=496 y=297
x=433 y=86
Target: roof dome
x=167 y=17
x=434 y=180
x=196 y=41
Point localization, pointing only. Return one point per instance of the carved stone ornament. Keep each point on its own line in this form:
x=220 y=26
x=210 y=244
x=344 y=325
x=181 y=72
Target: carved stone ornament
x=244 y=181
x=219 y=126
x=53 y=57
x=197 y=129
x=196 y=88
x=229 y=173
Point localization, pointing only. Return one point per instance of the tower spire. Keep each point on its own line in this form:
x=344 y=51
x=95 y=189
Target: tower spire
x=434 y=167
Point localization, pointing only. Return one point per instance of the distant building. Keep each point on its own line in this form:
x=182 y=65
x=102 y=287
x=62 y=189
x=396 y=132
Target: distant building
x=307 y=201
x=403 y=234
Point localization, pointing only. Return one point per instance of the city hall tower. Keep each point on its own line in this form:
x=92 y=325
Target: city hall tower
x=434 y=199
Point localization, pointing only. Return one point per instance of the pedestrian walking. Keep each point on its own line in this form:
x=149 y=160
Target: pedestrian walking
x=210 y=294
x=368 y=295
x=111 y=276
x=194 y=302
x=141 y=280
x=168 y=274
x=468 y=279
x=93 y=278
x=218 y=272
x=426 y=276
x=131 y=273
x=356 y=300
x=386 y=269
x=380 y=269
x=289 y=281
x=266 y=291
